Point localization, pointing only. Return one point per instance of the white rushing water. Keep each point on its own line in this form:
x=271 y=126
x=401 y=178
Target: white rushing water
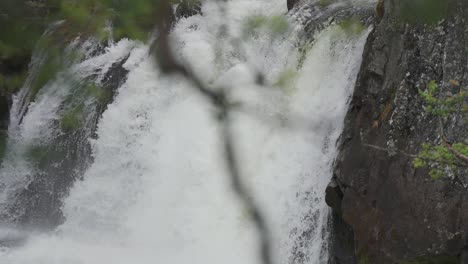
x=40 y=126
x=158 y=191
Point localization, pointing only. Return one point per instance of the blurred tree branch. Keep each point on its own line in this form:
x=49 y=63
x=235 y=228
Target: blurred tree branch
x=169 y=65
x=131 y=19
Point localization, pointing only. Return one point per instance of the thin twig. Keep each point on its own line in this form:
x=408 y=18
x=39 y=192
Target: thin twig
x=388 y=150
x=455 y=152
x=242 y=192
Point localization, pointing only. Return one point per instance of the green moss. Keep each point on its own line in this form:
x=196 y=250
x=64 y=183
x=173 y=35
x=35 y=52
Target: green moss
x=441 y=259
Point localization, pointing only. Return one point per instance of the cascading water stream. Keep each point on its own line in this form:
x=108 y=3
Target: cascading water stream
x=157 y=190
x=46 y=139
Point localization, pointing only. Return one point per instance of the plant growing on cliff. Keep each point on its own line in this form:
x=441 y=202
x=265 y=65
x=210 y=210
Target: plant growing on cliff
x=446 y=158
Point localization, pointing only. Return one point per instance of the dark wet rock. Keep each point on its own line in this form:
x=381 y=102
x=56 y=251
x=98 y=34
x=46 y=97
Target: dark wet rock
x=334 y=196
x=464 y=256
x=315 y=16
x=187 y=8
x=14 y=64
x=290 y=3
x=398 y=213
x=62 y=162
x=341 y=241
x=4 y=112
x=10 y=68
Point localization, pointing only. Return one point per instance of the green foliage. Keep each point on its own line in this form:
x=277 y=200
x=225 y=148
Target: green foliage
x=21 y=27
x=49 y=69
x=135 y=18
x=439 y=158
x=352 y=26
x=97 y=92
x=325 y=2
x=72 y=119
x=286 y=79
x=11 y=83
x=278 y=25
x=25 y=21
x=274 y=25
x=132 y=19
x=37 y=153
x=443 y=107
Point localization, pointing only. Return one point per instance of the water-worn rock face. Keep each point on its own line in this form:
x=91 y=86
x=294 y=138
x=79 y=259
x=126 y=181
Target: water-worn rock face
x=392 y=211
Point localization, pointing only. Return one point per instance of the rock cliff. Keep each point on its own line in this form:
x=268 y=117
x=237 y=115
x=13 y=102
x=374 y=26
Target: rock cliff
x=385 y=210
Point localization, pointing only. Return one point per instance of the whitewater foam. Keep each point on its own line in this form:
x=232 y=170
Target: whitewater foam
x=158 y=191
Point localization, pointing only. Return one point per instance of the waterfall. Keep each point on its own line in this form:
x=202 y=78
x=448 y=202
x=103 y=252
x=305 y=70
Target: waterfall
x=155 y=187
x=49 y=132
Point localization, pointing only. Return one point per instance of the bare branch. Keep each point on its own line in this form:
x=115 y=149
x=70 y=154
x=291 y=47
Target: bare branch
x=455 y=152
x=449 y=146
x=218 y=98
x=242 y=192
x=388 y=150
x=414 y=155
